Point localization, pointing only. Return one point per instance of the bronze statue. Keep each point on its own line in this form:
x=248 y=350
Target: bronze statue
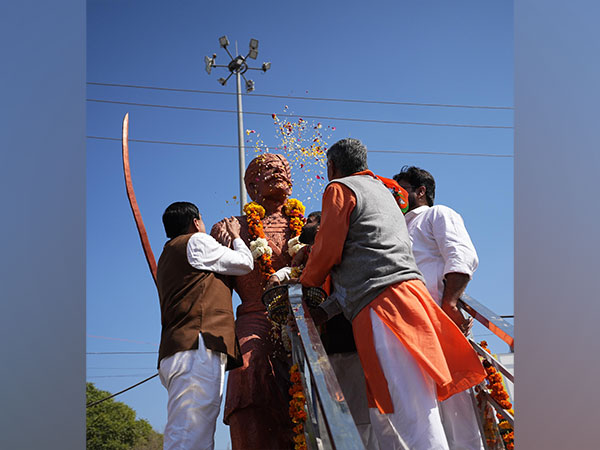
x=257 y=399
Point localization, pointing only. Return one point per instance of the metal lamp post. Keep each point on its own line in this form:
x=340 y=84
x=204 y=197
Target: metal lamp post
x=238 y=66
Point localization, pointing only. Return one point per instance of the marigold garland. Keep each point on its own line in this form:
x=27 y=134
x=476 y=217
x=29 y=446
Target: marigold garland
x=297 y=408
x=498 y=393
x=294 y=209
x=261 y=251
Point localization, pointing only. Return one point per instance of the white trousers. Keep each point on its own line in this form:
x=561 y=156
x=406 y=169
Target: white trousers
x=415 y=423
x=194 y=381
x=351 y=378
x=460 y=422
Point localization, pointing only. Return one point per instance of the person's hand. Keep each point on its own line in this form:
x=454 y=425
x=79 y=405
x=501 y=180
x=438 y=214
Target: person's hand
x=454 y=313
x=233 y=227
x=300 y=256
x=273 y=281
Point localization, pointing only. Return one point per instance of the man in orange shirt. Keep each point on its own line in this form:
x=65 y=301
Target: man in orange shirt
x=411 y=352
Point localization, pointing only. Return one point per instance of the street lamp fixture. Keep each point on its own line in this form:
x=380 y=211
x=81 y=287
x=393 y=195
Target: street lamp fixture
x=209 y=62
x=223 y=41
x=238 y=66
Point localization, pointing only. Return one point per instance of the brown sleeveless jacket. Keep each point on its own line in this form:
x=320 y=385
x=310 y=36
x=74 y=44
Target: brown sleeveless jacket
x=193 y=301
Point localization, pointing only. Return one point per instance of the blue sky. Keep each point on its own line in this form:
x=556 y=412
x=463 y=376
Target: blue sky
x=427 y=52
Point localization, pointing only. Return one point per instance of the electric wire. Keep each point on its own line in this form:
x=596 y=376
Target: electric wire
x=91 y=377
x=120 y=368
x=89 y=405
x=121 y=353
x=347 y=119
x=194 y=144
x=291 y=97
x=120 y=339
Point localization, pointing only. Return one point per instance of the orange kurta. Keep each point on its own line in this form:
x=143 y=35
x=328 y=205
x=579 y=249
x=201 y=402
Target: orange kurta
x=406 y=308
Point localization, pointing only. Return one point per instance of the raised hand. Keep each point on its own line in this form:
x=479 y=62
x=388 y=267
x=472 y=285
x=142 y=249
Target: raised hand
x=233 y=227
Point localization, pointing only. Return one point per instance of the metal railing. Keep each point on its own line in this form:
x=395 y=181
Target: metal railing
x=492 y=321
x=505 y=331
x=329 y=424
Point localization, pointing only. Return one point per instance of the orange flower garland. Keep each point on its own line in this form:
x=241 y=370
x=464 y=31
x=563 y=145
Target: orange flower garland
x=294 y=209
x=261 y=252
x=297 y=408
x=498 y=393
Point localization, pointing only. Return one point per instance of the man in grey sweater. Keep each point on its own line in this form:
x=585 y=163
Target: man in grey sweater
x=411 y=352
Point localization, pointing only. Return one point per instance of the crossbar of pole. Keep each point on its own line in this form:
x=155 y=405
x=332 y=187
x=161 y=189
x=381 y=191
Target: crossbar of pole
x=336 y=414
x=492 y=321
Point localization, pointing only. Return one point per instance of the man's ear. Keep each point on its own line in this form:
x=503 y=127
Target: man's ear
x=421 y=191
x=195 y=226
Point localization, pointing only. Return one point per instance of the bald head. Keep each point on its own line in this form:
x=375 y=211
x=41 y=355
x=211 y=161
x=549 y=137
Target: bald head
x=268 y=176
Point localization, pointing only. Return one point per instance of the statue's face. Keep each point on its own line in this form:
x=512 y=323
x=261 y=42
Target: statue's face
x=268 y=177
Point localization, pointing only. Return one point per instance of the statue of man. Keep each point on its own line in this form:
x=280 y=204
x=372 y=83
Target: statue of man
x=257 y=399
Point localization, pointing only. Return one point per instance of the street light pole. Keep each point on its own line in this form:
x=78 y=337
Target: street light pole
x=239 y=66
x=241 y=149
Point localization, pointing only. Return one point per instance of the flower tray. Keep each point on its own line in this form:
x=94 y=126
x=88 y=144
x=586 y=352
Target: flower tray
x=277 y=302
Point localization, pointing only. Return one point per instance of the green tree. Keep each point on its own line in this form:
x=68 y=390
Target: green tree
x=111 y=425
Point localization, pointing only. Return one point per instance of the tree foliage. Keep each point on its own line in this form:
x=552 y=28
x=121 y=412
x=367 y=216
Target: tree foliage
x=111 y=425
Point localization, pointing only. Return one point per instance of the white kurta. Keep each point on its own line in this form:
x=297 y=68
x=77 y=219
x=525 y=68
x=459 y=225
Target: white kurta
x=442 y=245
x=204 y=252
x=194 y=378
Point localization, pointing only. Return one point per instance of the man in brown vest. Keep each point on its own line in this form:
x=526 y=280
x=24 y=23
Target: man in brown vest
x=198 y=341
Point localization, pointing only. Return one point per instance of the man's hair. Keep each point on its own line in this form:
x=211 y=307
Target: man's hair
x=177 y=218
x=416 y=178
x=349 y=156
x=307 y=235
x=315 y=214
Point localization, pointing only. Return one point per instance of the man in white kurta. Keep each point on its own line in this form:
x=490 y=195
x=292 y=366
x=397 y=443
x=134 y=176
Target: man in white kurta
x=447 y=259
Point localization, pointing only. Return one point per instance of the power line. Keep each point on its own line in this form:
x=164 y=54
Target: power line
x=120 y=368
x=121 y=353
x=118 y=376
x=348 y=119
x=291 y=97
x=410 y=152
x=120 y=392
x=166 y=142
x=120 y=339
